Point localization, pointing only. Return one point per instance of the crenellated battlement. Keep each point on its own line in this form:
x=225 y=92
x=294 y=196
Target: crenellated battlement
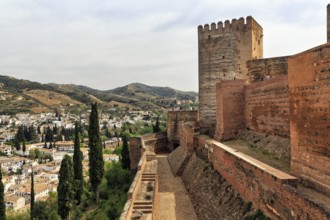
x=240 y=24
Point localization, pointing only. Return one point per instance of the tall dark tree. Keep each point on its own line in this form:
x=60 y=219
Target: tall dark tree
x=107 y=133
x=125 y=161
x=2 y=199
x=96 y=163
x=156 y=127
x=55 y=130
x=77 y=166
x=65 y=188
x=38 y=129
x=17 y=144
x=49 y=134
x=24 y=147
x=20 y=134
x=32 y=199
x=32 y=134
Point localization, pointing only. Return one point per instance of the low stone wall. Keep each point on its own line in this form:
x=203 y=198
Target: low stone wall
x=267 y=188
x=157 y=141
x=211 y=195
x=177 y=160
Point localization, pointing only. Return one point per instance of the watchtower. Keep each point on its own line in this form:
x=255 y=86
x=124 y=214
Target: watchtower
x=223 y=50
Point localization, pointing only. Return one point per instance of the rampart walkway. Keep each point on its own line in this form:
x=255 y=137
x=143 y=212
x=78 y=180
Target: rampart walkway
x=173 y=199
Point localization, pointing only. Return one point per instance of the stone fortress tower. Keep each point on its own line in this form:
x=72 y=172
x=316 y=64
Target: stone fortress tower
x=223 y=50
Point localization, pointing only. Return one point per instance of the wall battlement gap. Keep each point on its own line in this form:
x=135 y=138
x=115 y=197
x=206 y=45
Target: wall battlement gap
x=240 y=24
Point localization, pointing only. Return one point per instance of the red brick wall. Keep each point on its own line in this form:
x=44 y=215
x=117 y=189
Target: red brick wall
x=135 y=151
x=274 y=196
x=309 y=80
x=174 y=120
x=230 y=109
x=258 y=69
x=157 y=141
x=267 y=106
x=187 y=133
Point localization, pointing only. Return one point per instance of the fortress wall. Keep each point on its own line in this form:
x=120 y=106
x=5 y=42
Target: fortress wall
x=230 y=109
x=174 y=120
x=199 y=145
x=223 y=50
x=135 y=151
x=258 y=69
x=211 y=195
x=179 y=158
x=309 y=86
x=269 y=189
x=156 y=142
x=187 y=132
x=267 y=107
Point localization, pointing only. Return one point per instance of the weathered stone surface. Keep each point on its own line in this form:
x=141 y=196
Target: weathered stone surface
x=223 y=52
x=278 y=146
x=230 y=96
x=175 y=119
x=259 y=69
x=309 y=80
x=177 y=160
x=211 y=195
x=267 y=107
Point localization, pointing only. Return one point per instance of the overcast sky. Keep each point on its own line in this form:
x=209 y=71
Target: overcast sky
x=109 y=43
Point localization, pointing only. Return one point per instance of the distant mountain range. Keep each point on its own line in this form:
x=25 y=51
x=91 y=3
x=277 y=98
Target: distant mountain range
x=18 y=95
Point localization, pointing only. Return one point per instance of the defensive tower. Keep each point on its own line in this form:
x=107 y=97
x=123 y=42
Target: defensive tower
x=223 y=50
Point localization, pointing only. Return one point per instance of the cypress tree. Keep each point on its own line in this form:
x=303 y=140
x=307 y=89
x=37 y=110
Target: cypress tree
x=2 y=200
x=17 y=144
x=24 y=147
x=20 y=134
x=32 y=199
x=65 y=188
x=77 y=167
x=125 y=161
x=156 y=127
x=96 y=163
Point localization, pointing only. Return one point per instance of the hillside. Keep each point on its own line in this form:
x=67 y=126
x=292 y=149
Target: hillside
x=40 y=97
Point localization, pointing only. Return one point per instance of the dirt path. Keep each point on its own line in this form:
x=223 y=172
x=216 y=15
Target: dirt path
x=173 y=199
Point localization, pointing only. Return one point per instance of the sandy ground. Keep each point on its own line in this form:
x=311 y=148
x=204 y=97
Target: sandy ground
x=173 y=199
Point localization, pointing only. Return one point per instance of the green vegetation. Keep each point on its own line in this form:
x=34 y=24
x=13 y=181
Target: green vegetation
x=247 y=207
x=2 y=201
x=125 y=160
x=256 y=215
x=96 y=163
x=77 y=167
x=156 y=127
x=65 y=188
x=135 y=95
x=113 y=191
x=32 y=197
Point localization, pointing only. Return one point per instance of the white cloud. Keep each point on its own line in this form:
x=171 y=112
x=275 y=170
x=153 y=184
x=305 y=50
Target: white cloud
x=105 y=44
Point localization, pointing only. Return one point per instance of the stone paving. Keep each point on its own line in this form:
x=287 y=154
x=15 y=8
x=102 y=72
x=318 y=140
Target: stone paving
x=173 y=199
